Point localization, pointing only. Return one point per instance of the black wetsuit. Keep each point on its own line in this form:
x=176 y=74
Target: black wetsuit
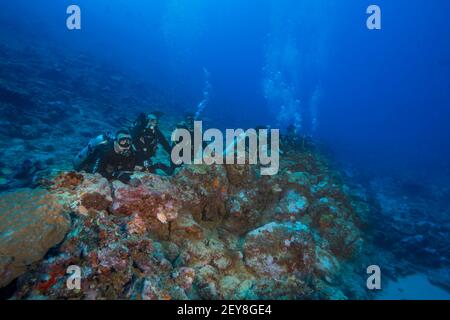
x=146 y=143
x=190 y=128
x=290 y=141
x=113 y=165
x=295 y=142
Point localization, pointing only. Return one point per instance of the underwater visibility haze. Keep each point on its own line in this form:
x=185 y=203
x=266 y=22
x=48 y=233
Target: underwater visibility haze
x=87 y=178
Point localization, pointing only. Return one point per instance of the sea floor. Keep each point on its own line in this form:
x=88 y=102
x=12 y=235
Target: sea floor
x=414 y=287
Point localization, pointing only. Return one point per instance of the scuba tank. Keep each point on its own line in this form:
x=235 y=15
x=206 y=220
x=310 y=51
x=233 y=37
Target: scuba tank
x=83 y=157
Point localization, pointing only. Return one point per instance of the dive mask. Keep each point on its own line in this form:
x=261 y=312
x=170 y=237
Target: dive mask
x=125 y=143
x=152 y=121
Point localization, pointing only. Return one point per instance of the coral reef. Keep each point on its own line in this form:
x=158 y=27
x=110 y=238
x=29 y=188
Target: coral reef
x=411 y=226
x=208 y=232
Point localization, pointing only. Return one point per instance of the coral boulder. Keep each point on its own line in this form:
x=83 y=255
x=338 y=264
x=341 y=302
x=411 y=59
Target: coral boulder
x=280 y=249
x=31 y=222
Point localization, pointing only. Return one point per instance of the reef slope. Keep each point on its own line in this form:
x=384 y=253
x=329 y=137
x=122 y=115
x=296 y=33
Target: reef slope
x=208 y=232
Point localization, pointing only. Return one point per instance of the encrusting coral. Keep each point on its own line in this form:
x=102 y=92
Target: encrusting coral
x=31 y=222
x=208 y=232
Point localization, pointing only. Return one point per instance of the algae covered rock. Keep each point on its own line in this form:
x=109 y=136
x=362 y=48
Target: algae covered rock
x=292 y=205
x=336 y=223
x=204 y=190
x=280 y=249
x=301 y=178
x=31 y=222
x=185 y=227
x=149 y=203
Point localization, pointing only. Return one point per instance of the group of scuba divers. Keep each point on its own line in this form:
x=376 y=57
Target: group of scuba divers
x=132 y=149
x=117 y=157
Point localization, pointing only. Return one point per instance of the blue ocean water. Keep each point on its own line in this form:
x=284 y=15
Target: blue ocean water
x=380 y=98
x=377 y=100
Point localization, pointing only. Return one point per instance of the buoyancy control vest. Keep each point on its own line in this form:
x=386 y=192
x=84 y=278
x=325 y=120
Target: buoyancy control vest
x=87 y=154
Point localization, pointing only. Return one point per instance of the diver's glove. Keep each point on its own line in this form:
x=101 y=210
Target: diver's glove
x=147 y=164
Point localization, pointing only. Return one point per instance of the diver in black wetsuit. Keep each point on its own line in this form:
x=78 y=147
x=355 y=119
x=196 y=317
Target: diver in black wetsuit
x=188 y=124
x=146 y=137
x=113 y=158
x=293 y=141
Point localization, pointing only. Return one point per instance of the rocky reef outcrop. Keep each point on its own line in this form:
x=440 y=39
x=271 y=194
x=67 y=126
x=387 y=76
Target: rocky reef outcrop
x=31 y=222
x=208 y=232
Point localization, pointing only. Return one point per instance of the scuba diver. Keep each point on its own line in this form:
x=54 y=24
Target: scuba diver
x=146 y=137
x=187 y=123
x=292 y=140
x=112 y=157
